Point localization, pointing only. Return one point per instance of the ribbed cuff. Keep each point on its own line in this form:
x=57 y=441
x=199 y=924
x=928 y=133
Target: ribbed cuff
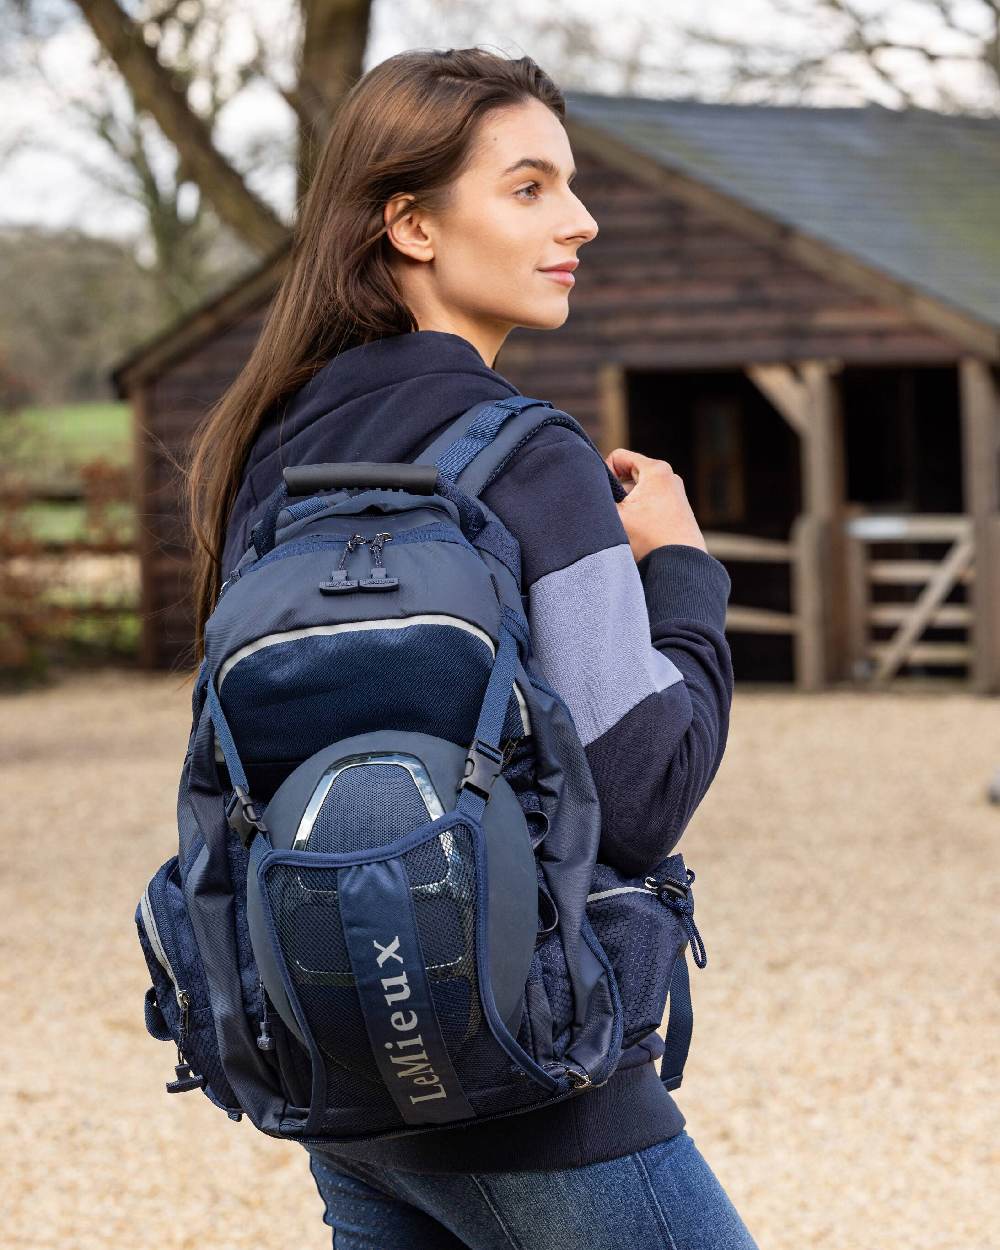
x=683 y=581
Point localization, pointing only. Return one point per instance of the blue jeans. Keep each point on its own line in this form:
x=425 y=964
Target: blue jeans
x=663 y=1196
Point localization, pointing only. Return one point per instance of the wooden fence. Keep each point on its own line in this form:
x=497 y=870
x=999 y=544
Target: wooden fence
x=51 y=587
x=878 y=662
x=868 y=660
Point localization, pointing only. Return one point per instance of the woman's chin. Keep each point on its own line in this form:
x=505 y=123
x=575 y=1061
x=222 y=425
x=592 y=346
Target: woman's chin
x=548 y=318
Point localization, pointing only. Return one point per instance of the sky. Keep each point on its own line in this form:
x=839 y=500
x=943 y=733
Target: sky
x=41 y=145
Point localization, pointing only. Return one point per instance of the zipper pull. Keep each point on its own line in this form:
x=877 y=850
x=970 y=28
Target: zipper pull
x=265 y=1041
x=578 y=1077
x=338 y=580
x=377 y=579
x=184 y=1078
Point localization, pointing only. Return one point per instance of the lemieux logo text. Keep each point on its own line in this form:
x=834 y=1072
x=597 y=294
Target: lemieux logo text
x=414 y=1065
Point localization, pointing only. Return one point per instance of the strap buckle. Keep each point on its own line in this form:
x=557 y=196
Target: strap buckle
x=241 y=812
x=482 y=767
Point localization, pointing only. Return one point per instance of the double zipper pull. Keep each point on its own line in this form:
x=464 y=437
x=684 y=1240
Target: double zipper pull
x=377 y=579
x=338 y=580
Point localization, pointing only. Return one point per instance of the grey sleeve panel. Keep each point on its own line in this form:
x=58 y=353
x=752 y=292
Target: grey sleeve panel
x=591 y=639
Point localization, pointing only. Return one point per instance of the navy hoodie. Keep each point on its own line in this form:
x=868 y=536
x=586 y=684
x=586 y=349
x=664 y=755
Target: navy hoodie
x=637 y=652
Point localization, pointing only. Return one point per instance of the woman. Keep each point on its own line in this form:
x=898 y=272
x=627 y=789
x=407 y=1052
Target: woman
x=440 y=206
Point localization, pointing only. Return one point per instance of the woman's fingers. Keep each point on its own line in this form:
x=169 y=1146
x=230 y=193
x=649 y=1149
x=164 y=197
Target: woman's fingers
x=628 y=465
x=656 y=510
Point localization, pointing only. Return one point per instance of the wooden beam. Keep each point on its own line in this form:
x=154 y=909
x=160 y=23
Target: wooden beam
x=964 y=328
x=980 y=404
x=759 y=621
x=857 y=597
x=950 y=615
x=809 y=541
x=928 y=526
x=809 y=400
x=613 y=428
x=825 y=493
x=725 y=546
x=786 y=392
x=908 y=572
x=950 y=653
x=823 y=483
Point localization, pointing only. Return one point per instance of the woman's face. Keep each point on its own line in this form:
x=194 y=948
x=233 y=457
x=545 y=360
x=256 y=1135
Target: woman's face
x=475 y=269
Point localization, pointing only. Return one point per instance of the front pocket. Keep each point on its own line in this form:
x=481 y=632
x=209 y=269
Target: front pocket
x=382 y=962
x=179 y=1005
x=643 y=923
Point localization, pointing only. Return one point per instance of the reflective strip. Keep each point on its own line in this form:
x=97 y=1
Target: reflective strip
x=153 y=933
x=621 y=889
x=348 y=627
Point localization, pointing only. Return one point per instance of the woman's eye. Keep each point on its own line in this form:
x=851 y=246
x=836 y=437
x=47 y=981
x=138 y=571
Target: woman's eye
x=529 y=187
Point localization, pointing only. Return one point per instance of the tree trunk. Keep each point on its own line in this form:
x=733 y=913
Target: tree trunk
x=154 y=90
x=335 y=33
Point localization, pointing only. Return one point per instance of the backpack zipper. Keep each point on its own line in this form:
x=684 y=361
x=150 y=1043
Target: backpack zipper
x=156 y=942
x=435 y=531
x=338 y=580
x=649 y=887
x=185 y=1078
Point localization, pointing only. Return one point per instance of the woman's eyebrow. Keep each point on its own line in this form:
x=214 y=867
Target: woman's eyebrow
x=538 y=162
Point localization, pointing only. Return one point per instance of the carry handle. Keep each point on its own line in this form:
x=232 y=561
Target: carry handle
x=306 y=479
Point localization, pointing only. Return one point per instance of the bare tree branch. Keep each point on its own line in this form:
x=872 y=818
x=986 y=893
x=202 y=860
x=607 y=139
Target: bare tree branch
x=864 y=41
x=155 y=91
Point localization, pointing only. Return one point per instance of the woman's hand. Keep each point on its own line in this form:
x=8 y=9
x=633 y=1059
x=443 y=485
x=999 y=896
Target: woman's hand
x=656 y=510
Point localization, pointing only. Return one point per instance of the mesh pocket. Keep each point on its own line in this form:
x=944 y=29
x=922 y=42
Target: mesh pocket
x=642 y=937
x=382 y=960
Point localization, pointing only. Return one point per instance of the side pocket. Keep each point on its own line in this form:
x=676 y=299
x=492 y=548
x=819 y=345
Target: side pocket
x=177 y=1006
x=643 y=923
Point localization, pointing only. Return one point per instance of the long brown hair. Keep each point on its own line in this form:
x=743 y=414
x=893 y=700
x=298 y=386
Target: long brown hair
x=407 y=126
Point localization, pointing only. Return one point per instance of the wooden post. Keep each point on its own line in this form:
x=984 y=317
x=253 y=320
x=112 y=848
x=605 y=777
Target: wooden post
x=613 y=407
x=810 y=402
x=143 y=482
x=808 y=544
x=980 y=401
x=823 y=482
x=857 y=597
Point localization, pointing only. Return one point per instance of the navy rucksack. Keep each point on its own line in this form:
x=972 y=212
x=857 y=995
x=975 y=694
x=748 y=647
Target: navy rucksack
x=386 y=913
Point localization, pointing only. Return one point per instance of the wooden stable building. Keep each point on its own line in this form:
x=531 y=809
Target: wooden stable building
x=800 y=310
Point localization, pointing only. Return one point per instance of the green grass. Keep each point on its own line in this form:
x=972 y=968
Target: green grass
x=51 y=444
x=67 y=436
x=65 y=522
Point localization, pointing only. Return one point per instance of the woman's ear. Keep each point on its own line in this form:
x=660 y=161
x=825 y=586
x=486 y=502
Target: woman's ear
x=408 y=232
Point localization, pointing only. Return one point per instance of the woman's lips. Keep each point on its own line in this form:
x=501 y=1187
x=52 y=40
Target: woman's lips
x=560 y=275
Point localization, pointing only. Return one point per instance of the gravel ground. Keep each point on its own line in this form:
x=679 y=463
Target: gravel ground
x=843 y=1073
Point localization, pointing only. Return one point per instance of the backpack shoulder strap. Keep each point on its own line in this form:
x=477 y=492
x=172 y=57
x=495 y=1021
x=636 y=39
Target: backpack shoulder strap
x=476 y=447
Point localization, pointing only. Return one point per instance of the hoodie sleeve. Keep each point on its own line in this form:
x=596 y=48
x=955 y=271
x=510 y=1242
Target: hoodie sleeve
x=637 y=652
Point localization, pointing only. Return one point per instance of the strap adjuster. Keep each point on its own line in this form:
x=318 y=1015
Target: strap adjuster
x=669 y=885
x=241 y=812
x=482 y=767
